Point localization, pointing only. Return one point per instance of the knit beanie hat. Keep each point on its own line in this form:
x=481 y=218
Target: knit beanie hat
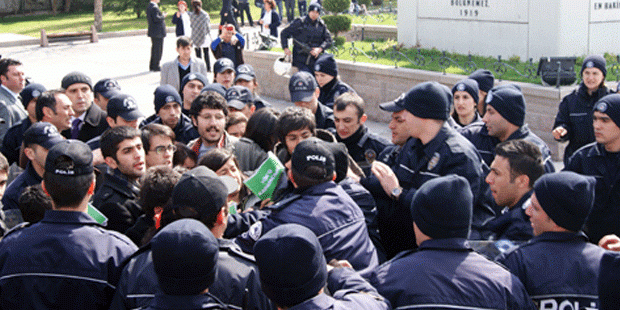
x=595 y=61
x=509 y=102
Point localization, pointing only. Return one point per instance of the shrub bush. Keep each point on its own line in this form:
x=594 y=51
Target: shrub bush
x=365 y=2
x=336 y=6
x=339 y=41
x=337 y=23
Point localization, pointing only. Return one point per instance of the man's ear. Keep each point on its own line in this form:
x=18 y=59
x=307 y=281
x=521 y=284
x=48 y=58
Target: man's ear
x=110 y=121
x=523 y=181
x=222 y=216
x=111 y=162
x=194 y=121
x=29 y=152
x=290 y=177
x=44 y=189
x=363 y=118
x=47 y=112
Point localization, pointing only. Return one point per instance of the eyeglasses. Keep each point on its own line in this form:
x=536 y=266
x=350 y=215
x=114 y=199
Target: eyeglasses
x=163 y=148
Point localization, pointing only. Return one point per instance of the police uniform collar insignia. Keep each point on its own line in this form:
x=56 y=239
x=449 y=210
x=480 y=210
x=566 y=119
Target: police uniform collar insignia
x=256 y=231
x=433 y=162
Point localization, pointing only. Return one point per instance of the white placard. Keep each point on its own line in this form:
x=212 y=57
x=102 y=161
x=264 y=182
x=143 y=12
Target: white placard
x=604 y=11
x=515 y=11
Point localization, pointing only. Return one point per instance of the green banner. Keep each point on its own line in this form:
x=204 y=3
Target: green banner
x=265 y=179
x=96 y=215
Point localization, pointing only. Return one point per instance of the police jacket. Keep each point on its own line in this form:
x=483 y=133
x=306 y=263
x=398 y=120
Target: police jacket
x=94 y=124
x=205 y=301
x=513 y=223
x=447 y=153
x=575 y=115
x=305 y=30
x=609 y=277
x=556 y=268
x=324 y=118
x=236 y=271
x=478 y=134
x=66 y=261
x=593 y=160
x=116 y=200
x=10 y=199
x=448 y=274
x=12 y=142
x=364 y=147
x=331 y=91
x=350 y=291
x=184 y=131
x=331 y=214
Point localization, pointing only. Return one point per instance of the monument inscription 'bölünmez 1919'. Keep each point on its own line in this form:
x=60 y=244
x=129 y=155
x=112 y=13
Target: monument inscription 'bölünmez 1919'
x=528 y=29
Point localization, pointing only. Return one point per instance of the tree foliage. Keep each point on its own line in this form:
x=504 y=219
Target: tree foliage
x=336 y=6
x=337 y=23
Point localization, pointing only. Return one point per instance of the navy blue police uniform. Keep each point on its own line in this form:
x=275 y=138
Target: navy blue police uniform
x=12 y=141
x=415 y=163
x=513 y=223
x=331 y=91
x=27 y=178
x=66 y=261
x=312 y=33
x=557 y=268
x=594 y=160
x=364 y=147
x=448 y=274
x=478 y=134
x=236 y=271
x=333 y=217
x=575 y=115
x=184 y=131
x=609 y=277
x=324 y=118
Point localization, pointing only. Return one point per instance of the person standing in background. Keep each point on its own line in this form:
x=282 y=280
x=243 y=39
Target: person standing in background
x=199 y=20
x=157 y=32
x=244 y=5
x=181 y=20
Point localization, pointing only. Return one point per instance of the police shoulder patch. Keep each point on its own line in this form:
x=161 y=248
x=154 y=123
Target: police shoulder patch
x=433 y=162
x=256 y=231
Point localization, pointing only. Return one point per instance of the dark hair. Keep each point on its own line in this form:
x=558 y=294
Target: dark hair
x=184 y=41
x=112 y=137
x=4 y=164
x=197 y=5
x=295 y=118
x=214 y=159
x=182 y=153
x=235 y=118
x=47 y=99
x=5 y=63
x=33 y=202
x=261 y=128
x=67 y=191
x=156 y=190
x=208 y=100
x=151 y=130
x=347 y=99
x=524 y=157
x=306 y=180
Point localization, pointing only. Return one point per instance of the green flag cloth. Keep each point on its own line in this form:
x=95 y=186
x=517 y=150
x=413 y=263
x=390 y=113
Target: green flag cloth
x=96 y=215
x=265 y=179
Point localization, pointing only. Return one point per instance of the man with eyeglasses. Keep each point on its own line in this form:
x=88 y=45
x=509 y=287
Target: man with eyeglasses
x=209 y=112
x=158 y=142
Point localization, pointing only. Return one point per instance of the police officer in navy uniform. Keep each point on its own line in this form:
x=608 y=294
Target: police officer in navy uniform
x=38 y=139
x=309 y=30
x=444 y=272
x=504 y=120
x=485 y=80
x=185 y=258
x=294 y=272
x=573 y=123
x=517 y=165
x=67 y=260
x=326 y=73
x=433 y=149
x=305 y=92
x=321 y=205
x=559 y=266
x=349 y=117
x=168 y=99
x=200 y=194
x=601 y=159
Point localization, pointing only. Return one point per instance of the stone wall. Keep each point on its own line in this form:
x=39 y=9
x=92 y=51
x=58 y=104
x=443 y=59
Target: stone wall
x=381 y=83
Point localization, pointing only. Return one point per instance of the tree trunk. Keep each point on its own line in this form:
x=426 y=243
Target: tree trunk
x=99 y=15
x=53 y=2
x=67 y=6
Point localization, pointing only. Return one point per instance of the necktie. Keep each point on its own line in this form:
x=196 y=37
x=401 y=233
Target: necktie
x=75 y=128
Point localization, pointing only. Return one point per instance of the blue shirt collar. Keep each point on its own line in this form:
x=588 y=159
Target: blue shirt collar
x=67 y=217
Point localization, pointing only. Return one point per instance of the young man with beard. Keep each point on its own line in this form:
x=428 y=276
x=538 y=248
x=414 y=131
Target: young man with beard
x=123 y=152
x=209 y=113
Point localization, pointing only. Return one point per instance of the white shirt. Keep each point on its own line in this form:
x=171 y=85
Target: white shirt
x=187 y=28
x=266 y=21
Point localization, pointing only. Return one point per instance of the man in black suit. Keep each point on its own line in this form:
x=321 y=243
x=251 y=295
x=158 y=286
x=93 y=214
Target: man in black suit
x=89 y=120
x=157 y=32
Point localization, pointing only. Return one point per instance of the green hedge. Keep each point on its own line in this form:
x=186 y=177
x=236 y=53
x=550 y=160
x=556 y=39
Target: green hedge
x=337 y=23
x=336 y=6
